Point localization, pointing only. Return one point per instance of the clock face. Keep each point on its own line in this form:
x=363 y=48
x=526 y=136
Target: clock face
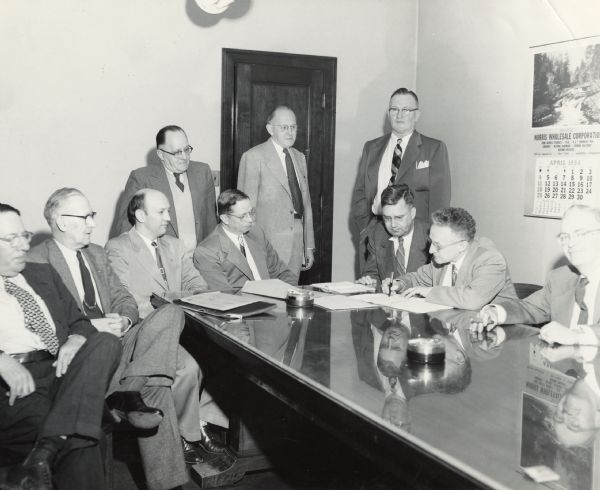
x=214 y=6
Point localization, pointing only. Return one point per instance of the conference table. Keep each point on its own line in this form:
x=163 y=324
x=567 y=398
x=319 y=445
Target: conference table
x=473 y=421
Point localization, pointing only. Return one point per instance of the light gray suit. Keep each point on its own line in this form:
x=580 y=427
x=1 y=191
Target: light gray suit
x=225 y=268
x=262 y=177
x=148 y=363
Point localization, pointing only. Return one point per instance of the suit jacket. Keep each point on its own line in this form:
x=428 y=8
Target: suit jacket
x=262 y=177
x=68 y=319
x=225 y=268
x=202 y=189
x=381 y=260
x=136 y=267
x=555 y=301
x=482 y=278
x=431 y=184
x=114 y=297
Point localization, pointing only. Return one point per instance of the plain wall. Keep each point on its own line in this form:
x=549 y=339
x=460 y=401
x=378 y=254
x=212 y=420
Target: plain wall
x=85 y=85
x=474 y=80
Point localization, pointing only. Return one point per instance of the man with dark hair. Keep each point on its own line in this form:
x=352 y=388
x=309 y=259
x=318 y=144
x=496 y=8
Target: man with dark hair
x=404 y=156
x=398 y=243
x=188 y=185
x=238 y=250
x=466 y=272
x=275 y=177
x=54 y=371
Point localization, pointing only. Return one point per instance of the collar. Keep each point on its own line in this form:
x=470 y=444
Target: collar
x=394 y=138
x=406 y=237
x=146 y=240
x=232 y=236
x=458 y=263
x=278 y=148
x=67 y=252
x=170 y=173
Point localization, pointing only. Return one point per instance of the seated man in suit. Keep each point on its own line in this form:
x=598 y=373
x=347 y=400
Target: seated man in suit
x=570 y=299
x=147 y=261
x=398 y=243
x=466 y=272
x=54 y=371
x=238 y=251
x=153 y=363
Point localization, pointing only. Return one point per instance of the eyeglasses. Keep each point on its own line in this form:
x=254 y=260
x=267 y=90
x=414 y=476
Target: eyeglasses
x=564 y=238
x=249 y=215
x=14 y=239
x=286 y=127
x=394 y=111
x=179 y=153
x=86 y=217
x=439 y=248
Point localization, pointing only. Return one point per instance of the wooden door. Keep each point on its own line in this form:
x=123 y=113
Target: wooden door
x=254 y=83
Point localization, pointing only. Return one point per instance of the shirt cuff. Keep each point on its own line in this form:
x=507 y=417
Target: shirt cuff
x=500 y=313
x=586 y=335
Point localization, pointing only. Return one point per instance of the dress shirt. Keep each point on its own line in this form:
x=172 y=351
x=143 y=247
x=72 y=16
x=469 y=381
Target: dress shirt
x=236 y=241
x=15 y=337
x=385 y=168
x=447 y=281
x=406 y=242
x=73 y=264
x=184 y=210
x=149 y=245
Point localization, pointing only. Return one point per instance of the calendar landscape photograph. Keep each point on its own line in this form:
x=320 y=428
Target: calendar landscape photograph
x=566 y=87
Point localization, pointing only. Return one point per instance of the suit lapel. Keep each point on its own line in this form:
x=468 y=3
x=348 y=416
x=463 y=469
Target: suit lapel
x=273 y=163
x=103 y=292
x=417 y=247
x=145 y=259
x=258 y=254
x=160 y=182
x=57 y=260
x=233 y=254
x=461 y=276
x=198 y=202
x=169 y=259
x=410 y=155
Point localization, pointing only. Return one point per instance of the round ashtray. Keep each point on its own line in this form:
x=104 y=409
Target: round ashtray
x=302 y=298
x=426 y=350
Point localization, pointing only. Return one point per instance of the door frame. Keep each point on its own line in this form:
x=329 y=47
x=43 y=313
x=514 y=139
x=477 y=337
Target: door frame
x=230 y=59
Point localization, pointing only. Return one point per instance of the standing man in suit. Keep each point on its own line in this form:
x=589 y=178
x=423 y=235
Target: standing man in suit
x=404 y=156
x=152 y=363
x=570 y=300
x=275 y=177
x=54 y=371
x=466 y=272
x=398 y=243
x=188 y=185
x=237 y=251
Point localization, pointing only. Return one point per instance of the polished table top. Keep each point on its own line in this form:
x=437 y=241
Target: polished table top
x=487 y=410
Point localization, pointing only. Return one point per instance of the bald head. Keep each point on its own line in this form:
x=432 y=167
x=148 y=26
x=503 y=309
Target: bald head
x=148 y=212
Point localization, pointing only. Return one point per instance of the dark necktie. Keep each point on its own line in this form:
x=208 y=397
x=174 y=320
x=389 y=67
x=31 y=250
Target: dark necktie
x=396 y=158
x=159 y=262
x=293 y=183
x=90 y=306
x=579 y=299
x=400 y=256
x=242 y=247
x=178 y=182
x=454 y=274
x=34 y=317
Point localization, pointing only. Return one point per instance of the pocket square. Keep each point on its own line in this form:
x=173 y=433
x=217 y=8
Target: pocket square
x=423 y=164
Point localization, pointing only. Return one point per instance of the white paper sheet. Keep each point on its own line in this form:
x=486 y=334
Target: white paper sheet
x=216 y=300
x=272 y=288
x=414 y=305
x=344 y=287
x=340 y=302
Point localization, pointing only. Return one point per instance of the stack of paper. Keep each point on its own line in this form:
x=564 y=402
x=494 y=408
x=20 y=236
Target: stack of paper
x=414 y=305
x=273 y=288
x=343 y=287
x=340 y=302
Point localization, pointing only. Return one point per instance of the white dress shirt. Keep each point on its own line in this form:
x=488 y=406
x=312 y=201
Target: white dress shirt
x=236 y=241
x=447 y=281
x=184 y=210
x=406 y=243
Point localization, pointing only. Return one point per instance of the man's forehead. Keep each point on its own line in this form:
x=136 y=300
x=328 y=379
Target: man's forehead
x=394 y=209
x=440 y=231
x=156 y=200
x=242 y=205
x=75 y=202
x=176 y=138
x=10 y=223
x=578 y=219
x=402 y=100
x=284 y=116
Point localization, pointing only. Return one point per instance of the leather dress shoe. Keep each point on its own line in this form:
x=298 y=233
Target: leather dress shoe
x=189 y=453
x=129 y=406
x=208 y=443
x=35 y=472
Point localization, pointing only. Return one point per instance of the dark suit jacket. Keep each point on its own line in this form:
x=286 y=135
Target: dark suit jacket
x=381 y=260
x=430 y=184
x=202 y=189
x=223 y=266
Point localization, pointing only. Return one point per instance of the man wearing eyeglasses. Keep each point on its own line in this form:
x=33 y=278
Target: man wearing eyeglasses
x=570 y=300
x=275 y=177
x=54 y=371
x=237 y=250
x=403 y=156
x=154 y=369
x=466 y=272
x=189 y=186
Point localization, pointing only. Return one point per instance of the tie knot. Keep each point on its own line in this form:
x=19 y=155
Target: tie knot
x=154 y=244
x=584 y=281
x=399 y=142
x=400 y=240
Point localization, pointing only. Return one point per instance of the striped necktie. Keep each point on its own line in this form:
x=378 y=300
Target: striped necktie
x=579 y=299
x=396 y=159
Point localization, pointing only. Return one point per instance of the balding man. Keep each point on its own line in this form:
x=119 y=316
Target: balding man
x=275 y=177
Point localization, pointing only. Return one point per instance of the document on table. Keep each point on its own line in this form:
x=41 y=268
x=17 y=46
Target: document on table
x=216 y=300
x=273 y=288
x=413 y=305
x=343 y=287
x=341 y=302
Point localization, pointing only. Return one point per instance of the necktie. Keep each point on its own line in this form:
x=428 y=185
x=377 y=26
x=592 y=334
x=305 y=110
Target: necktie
x=400 y=256
x=293 y=183
x=454 y=274
x=242 y=247
x=396 y=158
x=34 y=317
x=90 y=306
x=178 y=182
x=159 y=262
x=579 y=296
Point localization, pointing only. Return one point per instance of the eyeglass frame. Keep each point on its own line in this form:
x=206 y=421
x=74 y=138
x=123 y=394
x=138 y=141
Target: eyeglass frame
x=394 y=111
x=439 y=249
x=250 y=214
x=565 y=238
x=13 y=240
x=180 y=153
x=286 y=127
x=89 y=216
